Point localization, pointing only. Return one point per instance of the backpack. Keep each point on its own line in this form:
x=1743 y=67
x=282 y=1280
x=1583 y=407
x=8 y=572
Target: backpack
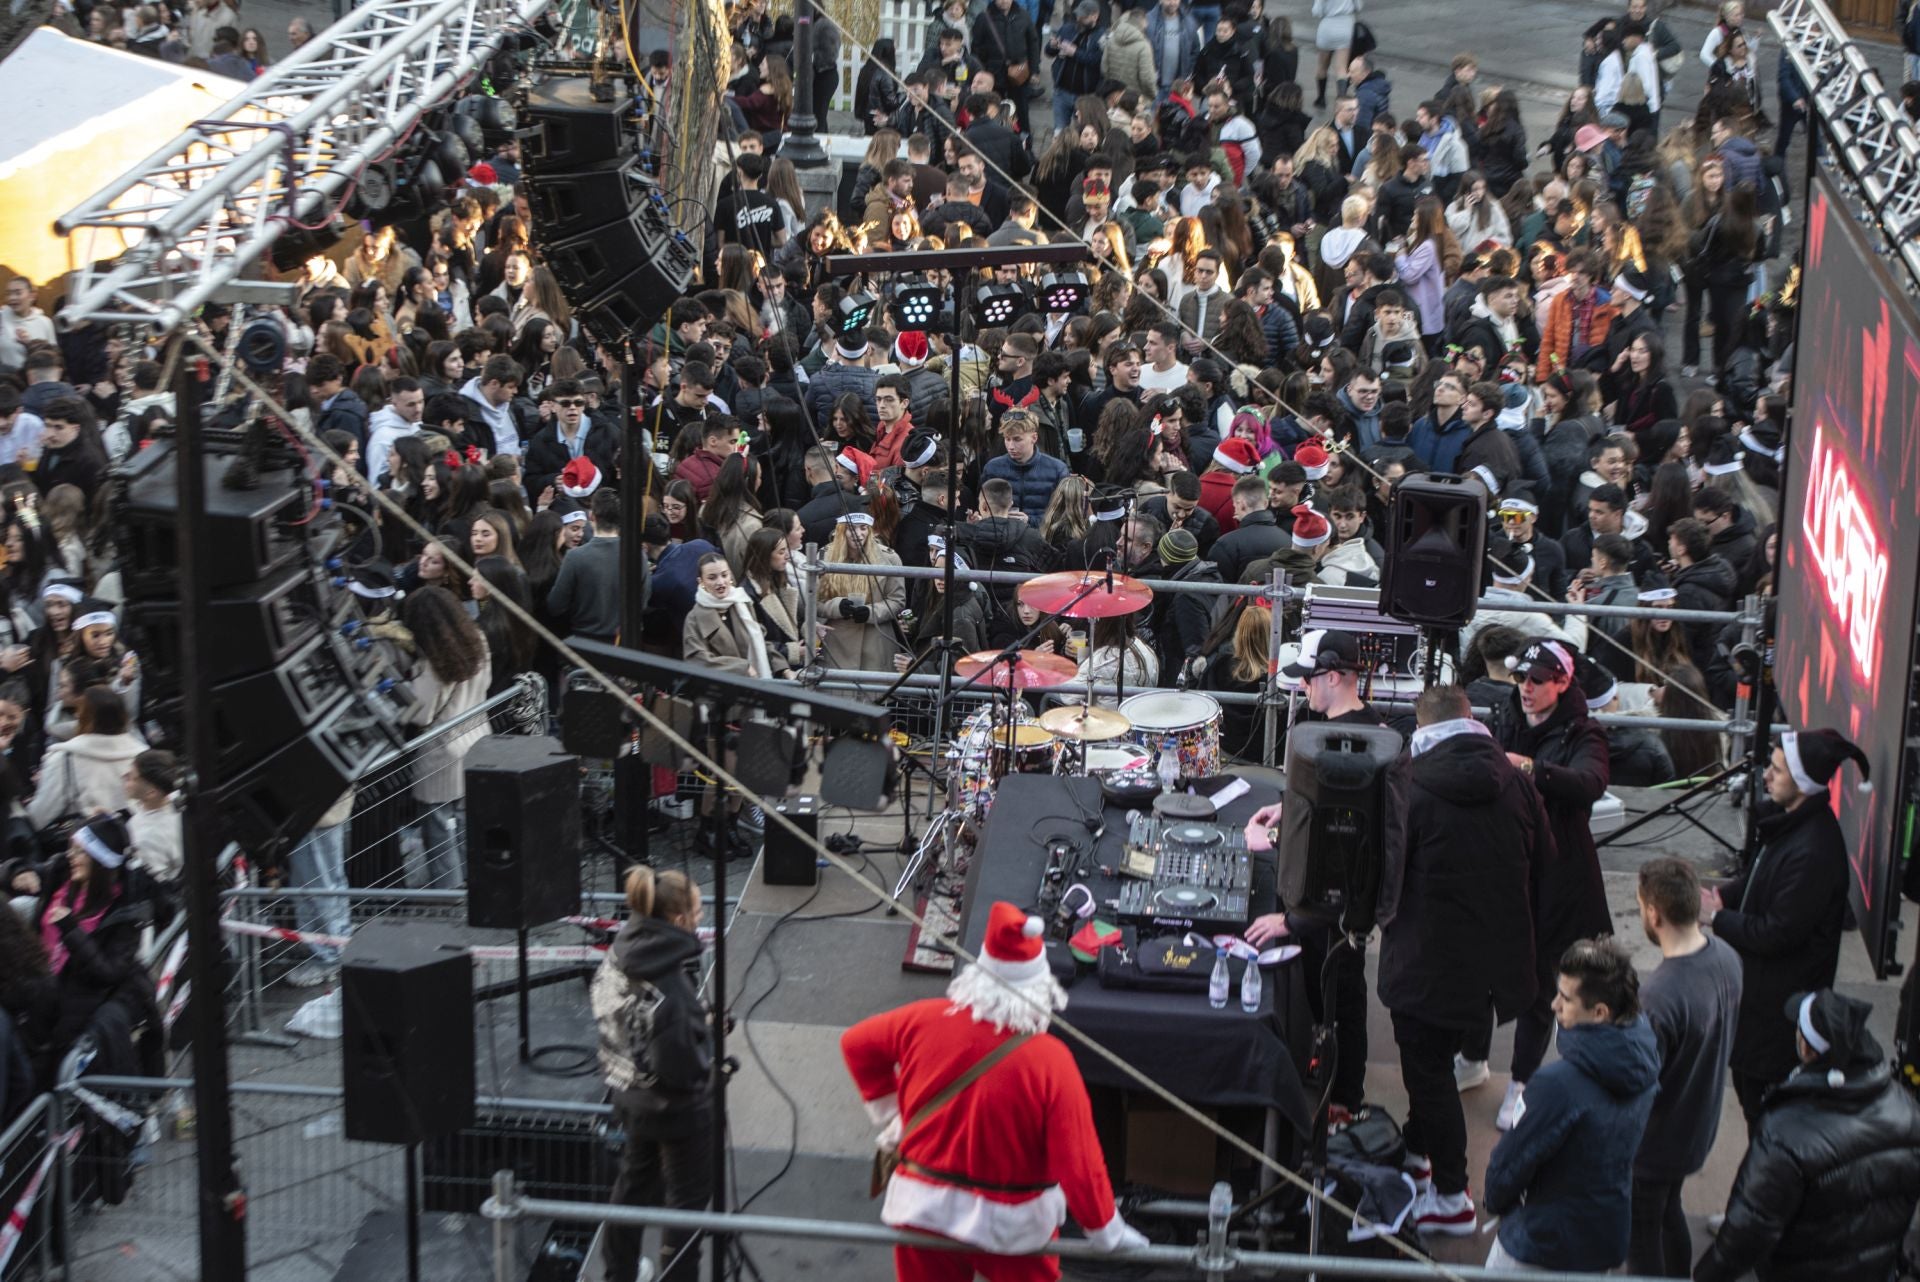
x=623 y=1012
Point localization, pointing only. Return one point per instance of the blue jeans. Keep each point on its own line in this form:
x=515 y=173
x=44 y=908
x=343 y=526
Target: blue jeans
x=1206 y=17
x=319 y=862
x=1063 y=105
x=433 y=850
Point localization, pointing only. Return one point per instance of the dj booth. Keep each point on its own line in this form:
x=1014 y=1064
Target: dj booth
x=1209 y=1058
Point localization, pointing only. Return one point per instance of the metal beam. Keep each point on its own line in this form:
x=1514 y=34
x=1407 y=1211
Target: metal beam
x=166 y=236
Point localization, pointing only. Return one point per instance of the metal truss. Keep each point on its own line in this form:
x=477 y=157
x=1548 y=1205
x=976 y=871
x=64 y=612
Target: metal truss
x=166 y=236
x=1874 y=142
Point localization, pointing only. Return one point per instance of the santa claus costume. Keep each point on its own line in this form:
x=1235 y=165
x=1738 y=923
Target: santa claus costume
x=1000 y=1165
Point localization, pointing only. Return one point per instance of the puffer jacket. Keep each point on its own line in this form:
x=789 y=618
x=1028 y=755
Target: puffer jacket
x=1828 y=1185
x=1570 y=770
x=1561 y=1178
x=1033 y=481
x=1128 y=58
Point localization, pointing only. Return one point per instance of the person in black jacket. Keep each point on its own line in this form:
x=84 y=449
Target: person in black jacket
x=1828 y=1185
x=1465 y=857
x=72 y=452
x=1487 y=447
x=571 y=435
x=1785 y=915
x=1549 y=738
x=1007 y=44
x=1703 y=580
x=657 y=1053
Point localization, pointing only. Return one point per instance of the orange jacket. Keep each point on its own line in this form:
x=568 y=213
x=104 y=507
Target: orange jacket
x=1556 y=336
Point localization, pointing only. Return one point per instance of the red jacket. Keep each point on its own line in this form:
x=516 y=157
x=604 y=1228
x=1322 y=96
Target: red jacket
x=698 y=470
x=886 y=450
x=1216 y=496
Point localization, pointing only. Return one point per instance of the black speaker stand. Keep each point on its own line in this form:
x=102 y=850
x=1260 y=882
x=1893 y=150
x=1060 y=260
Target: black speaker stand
x=411 y=1155
x=572 y=1060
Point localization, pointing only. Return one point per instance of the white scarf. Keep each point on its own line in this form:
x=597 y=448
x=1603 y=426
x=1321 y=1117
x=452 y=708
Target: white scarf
x=736 y=600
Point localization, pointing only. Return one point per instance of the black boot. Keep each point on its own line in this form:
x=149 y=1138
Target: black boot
x=1320 y=98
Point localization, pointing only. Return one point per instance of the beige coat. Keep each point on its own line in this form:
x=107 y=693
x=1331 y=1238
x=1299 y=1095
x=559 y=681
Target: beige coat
x=869 y=646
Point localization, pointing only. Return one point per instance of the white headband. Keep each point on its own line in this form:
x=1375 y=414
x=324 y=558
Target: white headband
x=1111 y=514
x=1487 y=477
x=1621 y=285
x=1790 y=748
x=1752 y=442
x=64 y=592
x=375 y=594
x=97 y=619
x=1736 y=464
x=107 y=857
x=855 y=518
x=1820 y=1044
x=576 y=517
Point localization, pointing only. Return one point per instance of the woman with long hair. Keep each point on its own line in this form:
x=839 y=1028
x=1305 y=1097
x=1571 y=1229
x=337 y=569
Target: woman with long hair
x=87 y=773
x=849 y=425
x=1236 y=237
x=860 y=611
x=450 y=681
x=1648 y=398
x=883 y=146
x=1065 y=520
x=1669 y=499
x=1659 y=647
x=1475 y=217
x=1695 y=753
x=541 y=551
x=1241 y=339
x=1499 y=150
x=731 y=514
x=25 y=571
x=1703 y=211
x=1577 y=111
x=1117 y=654
x=722 y=632
x=1237 y=664
x=1431 y=257
x=443 y=369
x=968 y=617
x=534 y=344
x=1724 y=253
x=680 y=506
x=492 y=534
x=510 y=500
x=774 y=595
x=511 y=643
x=1057 y=172
x=1317 y=165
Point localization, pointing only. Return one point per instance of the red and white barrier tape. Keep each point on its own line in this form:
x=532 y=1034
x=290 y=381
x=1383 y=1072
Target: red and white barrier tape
x=171 y=970
x=16 y=1226
x=587 y=952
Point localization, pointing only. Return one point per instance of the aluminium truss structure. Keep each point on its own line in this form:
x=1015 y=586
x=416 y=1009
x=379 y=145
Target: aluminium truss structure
x=176 y=230
x=1875 y=146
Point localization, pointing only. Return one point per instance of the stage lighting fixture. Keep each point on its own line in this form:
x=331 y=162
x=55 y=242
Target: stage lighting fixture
x=996 y=305
x=496 y=117
x=1064 y=292
x=450 y=154
x=855 y=311
x=471 y=136
x=765 y=757
x=915 y=305
x=372 y=193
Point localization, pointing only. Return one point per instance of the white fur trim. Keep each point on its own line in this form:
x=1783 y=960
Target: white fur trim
x=884 y=1109
x=1017 y=1006
x=1790 y=749
x=1115 y=1235
x=1754 y=443
x=1316 y=472
x=1033 y=928
x=1820 y=1044
x=373 y=594
x=1002 y=1228
x=1621 y=285
x=1232 y=465
x=1016 y=972
x=97 y=619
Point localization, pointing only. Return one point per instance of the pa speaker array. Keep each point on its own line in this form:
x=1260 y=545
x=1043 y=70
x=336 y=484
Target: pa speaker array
x=302 y=701
x=600 y=222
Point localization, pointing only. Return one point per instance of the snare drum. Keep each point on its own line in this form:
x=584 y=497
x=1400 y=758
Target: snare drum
x=1186 y=720
x=1095 y=760
x=982 y=756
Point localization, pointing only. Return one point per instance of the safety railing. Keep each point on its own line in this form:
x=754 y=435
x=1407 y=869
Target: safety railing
x=28 y=1191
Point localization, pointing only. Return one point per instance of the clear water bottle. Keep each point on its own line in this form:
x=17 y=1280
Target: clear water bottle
x=1076 y=440
x=1168 y=769
x=1219 y=982
x=1250 y=987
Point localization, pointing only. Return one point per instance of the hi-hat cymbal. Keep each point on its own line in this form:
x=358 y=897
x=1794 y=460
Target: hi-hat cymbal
x=1088 y=725
x=1055 y=593
x=1033 y=668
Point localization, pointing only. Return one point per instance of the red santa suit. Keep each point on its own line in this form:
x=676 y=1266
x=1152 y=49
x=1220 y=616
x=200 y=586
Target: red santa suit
x=1001 y=1165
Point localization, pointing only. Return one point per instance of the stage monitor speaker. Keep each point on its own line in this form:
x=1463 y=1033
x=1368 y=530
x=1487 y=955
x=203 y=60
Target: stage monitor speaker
x=523 y=831
x=1332 y=821
x=249 y=535
x=562 y=127
x=1437 y=539
x=566 y=204
x=283 y=794
x=789 y=860
x=406 y=1021
x=249 y=628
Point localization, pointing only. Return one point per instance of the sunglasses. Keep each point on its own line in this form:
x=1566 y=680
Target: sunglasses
x=1528 y=679
x=572 y=403
x=1515 y=518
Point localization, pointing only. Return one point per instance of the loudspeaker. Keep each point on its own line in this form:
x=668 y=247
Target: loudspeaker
x=523 y=831
x=1437 y=539
x=562 y=127
x=248 y=628
x=1332 y=822
x=566 y=204
x=284 y=794
x=790 y=861
x=406 y=1020
x=249 y=535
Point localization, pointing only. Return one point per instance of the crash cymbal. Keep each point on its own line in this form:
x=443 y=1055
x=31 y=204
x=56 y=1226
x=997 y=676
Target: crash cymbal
x=1055 y=593
x=1033 y=668
x=1088 y=725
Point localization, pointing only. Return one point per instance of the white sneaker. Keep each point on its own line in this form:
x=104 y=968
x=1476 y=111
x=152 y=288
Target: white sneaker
x=1448 y=1213
x=1513 y=1107
x=312 y=973
x=1469 y=1073
x=1421 y=1171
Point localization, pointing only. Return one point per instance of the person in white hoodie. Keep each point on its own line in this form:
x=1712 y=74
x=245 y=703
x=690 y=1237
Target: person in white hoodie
x=87 y=774
x=490 y=393
x=1340 y=245
x=152 y=781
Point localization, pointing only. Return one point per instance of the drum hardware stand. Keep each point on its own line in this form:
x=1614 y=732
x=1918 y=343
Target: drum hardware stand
x=945 y=647
x=1011 y=656
x=1717 y=782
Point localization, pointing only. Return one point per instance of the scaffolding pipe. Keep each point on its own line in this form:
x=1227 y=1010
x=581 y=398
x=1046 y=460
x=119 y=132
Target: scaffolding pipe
x=507 y=1204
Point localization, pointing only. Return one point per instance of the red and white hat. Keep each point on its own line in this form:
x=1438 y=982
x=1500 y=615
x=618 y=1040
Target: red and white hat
x=910 y=348
x=857 y=461
x=579 y=478
x=1312 y=456
x=1013 y=950
x=1310 y=529
x=1236 y=455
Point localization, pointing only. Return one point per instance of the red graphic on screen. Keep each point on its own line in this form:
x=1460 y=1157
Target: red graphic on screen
x=1847 y=552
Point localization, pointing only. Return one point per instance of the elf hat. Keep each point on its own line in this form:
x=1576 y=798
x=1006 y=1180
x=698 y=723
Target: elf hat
x=579 y=478
x=1310 y=529
x=1013 y=950
x=1815 y=756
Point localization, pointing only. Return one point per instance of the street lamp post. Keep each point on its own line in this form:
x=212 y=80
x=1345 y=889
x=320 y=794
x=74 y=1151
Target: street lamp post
x=802 y=146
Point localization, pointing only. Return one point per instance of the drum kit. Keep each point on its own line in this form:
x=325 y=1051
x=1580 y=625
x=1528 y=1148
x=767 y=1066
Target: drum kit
x=1121 y=747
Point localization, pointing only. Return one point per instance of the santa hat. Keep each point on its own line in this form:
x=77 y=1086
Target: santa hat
x=850 y=346
x=483 y=174
x=1236 y=455
x=1814 y=757
x=910 y=348
x=374 y=581
x=859 y=462
x=1515 y=568
x=1312 y=457
x=579 y=478
x=1013 y=950
x=1598 y=685
x=1310 y=529
x=1835 y=1029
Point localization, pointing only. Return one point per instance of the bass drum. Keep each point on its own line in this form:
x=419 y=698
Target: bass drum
x=1184 y=720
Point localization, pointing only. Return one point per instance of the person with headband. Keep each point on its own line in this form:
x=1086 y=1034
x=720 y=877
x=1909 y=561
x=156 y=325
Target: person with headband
x=89 y=911
x=657 y=1057
x=1786 y=914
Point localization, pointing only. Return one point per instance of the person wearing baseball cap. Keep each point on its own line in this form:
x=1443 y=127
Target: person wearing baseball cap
x=1833 y=1167
x=1549 y=737
x=1786 y=914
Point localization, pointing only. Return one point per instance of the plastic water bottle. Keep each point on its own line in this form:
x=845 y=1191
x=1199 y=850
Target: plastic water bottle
x=1219 y=982
x=1169 y=769
x=1250 y=987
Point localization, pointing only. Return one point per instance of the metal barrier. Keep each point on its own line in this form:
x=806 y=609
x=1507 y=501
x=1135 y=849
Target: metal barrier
x=28 y=1191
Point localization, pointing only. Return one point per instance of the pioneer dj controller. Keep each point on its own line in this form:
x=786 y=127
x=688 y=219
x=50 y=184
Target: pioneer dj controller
x=1185 y=873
